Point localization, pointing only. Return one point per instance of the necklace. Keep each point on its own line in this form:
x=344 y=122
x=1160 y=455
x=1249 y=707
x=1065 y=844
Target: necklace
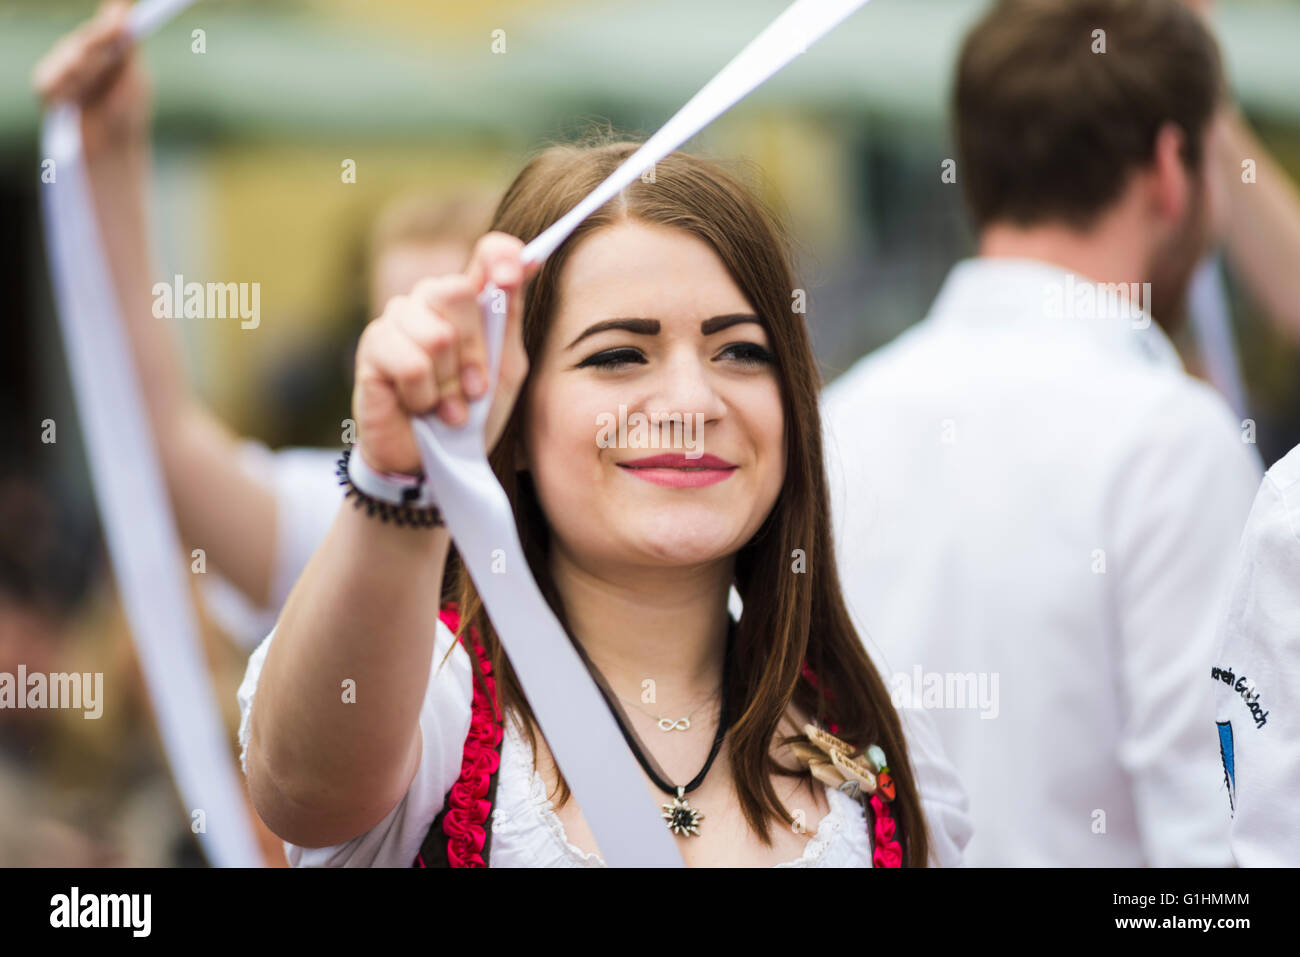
x=681 y=818
x=669 y=724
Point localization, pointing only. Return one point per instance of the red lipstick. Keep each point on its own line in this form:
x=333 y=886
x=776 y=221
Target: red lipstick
x=676 y=470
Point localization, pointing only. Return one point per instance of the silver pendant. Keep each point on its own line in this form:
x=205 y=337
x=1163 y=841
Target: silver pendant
x=668 y=724
x=681 y=817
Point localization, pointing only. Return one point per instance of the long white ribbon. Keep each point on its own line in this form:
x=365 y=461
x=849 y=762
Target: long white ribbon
x=581 y=732
x=129 y=489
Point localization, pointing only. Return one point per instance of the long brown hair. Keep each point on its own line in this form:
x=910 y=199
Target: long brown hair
x=789 y=618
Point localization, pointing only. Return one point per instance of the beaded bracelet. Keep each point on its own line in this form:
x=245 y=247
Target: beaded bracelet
x=399 y=514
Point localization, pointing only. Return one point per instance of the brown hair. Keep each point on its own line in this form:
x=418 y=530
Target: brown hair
x=1047 y=129
x=788 y=618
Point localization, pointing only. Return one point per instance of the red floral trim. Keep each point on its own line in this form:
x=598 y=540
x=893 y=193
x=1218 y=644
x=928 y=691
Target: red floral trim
x=466 y=817
x=888 y=851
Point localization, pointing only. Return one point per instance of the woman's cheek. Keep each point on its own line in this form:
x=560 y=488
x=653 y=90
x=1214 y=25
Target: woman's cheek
x=565 y=455
x=770 y=428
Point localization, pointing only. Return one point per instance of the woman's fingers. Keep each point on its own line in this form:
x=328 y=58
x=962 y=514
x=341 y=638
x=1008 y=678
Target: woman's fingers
x=402 y=362
x=452 y=301
x=427 y=353
x=497 y=258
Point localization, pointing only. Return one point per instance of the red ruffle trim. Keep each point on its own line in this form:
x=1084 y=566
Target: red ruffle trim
x=467 y=807
x=888 y=850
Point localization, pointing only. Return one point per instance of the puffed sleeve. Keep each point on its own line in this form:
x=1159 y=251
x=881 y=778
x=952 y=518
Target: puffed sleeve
x=444 y=726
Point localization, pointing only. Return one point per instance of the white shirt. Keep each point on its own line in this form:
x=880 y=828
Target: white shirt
x=528 y=833
x=1256 y=679
x=1035 y=521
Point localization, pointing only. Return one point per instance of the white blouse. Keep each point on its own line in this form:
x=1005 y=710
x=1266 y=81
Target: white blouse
x=526 y=832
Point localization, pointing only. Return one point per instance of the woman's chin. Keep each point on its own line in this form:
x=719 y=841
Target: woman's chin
x=687 y=546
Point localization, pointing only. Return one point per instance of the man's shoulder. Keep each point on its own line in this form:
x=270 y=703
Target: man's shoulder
x=1173 y=403
x=1276 y=512
x=1284 y=474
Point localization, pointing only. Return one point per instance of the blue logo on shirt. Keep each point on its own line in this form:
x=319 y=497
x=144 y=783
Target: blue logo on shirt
x=1229 y=771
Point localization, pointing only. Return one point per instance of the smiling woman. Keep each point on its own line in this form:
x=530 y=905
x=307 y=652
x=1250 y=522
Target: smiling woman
x=672 y=301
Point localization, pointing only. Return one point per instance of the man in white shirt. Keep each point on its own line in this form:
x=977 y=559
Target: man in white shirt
x=1037 y=509
x=1256 y=676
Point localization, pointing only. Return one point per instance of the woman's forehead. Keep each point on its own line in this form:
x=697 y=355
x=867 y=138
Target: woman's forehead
x=635 y=269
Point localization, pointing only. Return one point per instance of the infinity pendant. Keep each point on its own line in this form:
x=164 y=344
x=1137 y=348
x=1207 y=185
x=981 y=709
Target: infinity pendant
x=668 y=724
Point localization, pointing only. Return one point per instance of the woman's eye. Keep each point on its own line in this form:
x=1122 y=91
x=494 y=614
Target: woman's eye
x=749 y=353
x=612 y=359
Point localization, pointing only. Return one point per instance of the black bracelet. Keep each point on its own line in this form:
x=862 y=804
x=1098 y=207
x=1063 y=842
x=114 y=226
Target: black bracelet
x=401 y=515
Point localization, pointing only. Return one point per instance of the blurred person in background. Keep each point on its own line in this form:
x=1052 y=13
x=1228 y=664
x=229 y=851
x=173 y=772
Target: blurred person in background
x=232 y=496
x=79 y=786
x=1063 y=499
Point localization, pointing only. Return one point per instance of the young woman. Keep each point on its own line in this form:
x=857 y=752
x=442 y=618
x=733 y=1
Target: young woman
x=675 y=298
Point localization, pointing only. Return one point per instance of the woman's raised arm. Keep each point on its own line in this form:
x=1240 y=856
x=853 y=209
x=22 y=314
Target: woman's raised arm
x=320 y=771
x=217 y=506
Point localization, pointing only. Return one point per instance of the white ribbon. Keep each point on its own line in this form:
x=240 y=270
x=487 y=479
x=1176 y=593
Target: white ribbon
x=581 y=732
x=129 y=489
x=145 y=547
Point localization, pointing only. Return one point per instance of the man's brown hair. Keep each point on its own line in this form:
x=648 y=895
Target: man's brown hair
x=1049 y=127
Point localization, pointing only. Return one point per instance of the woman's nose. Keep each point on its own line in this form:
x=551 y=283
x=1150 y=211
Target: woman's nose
x=686 y=385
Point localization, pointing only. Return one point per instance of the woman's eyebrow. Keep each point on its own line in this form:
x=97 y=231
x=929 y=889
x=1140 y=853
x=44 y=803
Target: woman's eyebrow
x=718 y=323
x=650 y=327
x=644 y=327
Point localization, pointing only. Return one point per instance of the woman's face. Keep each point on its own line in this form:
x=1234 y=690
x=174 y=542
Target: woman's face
x=653 y=428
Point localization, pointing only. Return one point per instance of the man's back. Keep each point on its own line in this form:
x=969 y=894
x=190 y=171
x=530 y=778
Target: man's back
x=1036 y=518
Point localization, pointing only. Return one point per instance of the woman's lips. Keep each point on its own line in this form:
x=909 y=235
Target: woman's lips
x=679 y=471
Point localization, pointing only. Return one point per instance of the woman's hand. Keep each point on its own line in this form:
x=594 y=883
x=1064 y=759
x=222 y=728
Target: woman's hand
x=97 y=68
x=426 y=353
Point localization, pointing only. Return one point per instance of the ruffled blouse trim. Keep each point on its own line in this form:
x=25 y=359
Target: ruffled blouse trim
x=467 y=804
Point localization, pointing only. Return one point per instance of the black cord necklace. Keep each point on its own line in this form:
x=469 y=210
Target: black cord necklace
x=682 y=819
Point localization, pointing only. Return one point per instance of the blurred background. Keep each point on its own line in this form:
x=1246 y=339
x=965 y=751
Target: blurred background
x=249 y=141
